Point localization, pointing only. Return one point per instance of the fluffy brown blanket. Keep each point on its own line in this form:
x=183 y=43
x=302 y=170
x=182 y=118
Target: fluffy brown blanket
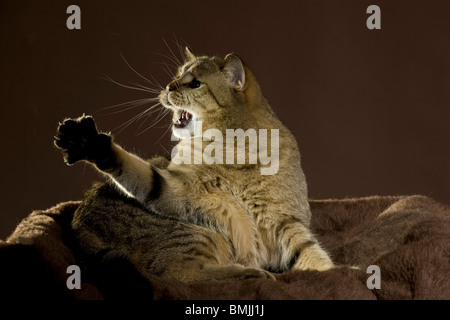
x=408 y=238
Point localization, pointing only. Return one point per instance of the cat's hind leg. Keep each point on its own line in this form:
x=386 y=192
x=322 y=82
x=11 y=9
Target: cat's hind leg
x=205 y=256
x=193 y=273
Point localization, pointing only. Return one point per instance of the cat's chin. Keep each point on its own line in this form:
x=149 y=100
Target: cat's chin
x=183 y=133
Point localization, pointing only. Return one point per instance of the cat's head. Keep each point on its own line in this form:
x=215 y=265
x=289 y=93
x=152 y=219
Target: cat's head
x=207 y=89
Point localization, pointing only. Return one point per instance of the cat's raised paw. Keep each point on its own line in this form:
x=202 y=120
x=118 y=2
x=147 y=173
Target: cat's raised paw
x=79 y=139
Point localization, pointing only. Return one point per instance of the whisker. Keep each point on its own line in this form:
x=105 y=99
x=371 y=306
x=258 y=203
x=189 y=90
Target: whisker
x=126 y=124
x=175 y=62
x=180 y=48
x=105 y=77
x=173 y=54
x=166 y=64
x=146 y=119
x=161 y=115
x=168 y=72
x=169 y=127
x=131 y=105
x=127 y=103
x=147 y=88
x=159 y=84
x=134 y=70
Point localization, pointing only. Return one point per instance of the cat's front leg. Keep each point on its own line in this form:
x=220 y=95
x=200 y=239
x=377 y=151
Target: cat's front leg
x=80 y=140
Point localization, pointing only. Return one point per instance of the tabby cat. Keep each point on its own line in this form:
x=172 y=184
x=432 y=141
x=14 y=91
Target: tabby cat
x=198 y=221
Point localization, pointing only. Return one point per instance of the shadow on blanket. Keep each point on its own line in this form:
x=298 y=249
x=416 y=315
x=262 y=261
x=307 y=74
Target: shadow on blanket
x=408 y=238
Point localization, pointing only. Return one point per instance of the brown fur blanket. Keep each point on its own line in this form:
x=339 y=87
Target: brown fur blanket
x=408 y=238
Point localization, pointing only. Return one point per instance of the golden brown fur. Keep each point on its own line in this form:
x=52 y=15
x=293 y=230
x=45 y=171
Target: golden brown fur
x=199 y=221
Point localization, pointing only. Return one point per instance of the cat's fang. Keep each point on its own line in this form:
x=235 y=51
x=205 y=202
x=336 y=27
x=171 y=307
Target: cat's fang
x=185 y=116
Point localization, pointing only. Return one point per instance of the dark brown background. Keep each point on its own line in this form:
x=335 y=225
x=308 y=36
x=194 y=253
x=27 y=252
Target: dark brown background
x=370 y=109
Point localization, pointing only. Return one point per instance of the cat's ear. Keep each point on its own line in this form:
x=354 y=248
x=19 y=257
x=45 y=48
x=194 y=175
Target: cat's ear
x=189 y=54
x=234 y=69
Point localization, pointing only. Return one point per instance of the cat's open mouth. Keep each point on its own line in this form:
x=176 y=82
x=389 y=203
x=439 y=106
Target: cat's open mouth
x=183 y=120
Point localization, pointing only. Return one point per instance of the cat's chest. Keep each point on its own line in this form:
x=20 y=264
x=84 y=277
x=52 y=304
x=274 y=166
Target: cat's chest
x=244 y=192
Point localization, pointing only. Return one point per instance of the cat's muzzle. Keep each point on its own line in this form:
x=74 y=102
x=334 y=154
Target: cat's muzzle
x=183 y=120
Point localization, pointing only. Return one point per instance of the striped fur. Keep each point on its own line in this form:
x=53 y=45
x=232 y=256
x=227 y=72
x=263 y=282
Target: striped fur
x=198 y=221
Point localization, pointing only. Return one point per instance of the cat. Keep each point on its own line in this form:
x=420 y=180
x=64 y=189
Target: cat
x=198 y=221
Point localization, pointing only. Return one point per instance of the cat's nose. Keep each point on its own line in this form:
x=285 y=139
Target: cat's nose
x=171 y=86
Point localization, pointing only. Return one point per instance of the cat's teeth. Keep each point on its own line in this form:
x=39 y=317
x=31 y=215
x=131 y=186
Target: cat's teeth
x=184 y=116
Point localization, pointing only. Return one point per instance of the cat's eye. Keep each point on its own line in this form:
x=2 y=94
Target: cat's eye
x=194 y=84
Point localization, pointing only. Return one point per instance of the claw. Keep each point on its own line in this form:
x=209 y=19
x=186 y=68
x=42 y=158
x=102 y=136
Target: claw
x=75 y=137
